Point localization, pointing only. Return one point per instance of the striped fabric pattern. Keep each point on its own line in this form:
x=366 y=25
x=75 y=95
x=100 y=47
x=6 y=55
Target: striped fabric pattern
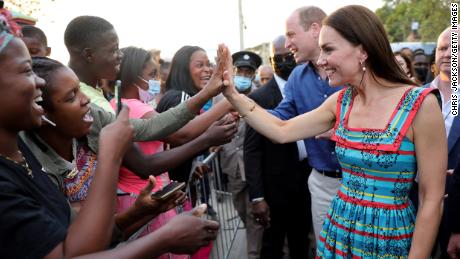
x=371 y=215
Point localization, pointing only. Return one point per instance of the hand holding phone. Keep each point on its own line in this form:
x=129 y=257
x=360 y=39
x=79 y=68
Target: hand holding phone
x=168 y=190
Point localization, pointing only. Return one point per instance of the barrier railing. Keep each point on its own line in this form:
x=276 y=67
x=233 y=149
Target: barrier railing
x=221 y=202
x=211 y=190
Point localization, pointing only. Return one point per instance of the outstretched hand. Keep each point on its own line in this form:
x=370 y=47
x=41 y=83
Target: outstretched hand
x=188 y=231
x=221 y=131
x=227 y=73
x=215 y=84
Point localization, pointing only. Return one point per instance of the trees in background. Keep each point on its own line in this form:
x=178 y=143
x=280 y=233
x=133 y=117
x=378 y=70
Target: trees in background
x=433 y=16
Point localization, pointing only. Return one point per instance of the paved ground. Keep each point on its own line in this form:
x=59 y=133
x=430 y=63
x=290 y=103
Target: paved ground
x=239 y=246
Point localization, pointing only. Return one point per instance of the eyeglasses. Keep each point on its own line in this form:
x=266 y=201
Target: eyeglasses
x=282 y=58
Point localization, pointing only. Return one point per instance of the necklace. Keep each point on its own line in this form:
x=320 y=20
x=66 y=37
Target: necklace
x=23 y=163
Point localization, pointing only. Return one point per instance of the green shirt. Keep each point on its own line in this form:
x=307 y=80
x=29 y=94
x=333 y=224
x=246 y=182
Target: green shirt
x=96 y=96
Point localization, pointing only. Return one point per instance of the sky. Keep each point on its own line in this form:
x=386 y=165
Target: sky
x=170 y=24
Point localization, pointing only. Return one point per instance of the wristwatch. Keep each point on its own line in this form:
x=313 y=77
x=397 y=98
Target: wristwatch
x=257 y=200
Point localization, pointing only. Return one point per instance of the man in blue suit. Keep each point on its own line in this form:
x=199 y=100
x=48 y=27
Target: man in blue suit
x=452 y=123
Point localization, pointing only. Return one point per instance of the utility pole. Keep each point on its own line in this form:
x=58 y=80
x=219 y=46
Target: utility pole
x=242 y=26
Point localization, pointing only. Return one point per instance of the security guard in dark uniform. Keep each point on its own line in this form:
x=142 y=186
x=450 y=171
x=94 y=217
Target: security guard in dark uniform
x=246 y=64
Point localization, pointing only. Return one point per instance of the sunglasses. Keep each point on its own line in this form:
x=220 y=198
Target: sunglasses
x=282 y=58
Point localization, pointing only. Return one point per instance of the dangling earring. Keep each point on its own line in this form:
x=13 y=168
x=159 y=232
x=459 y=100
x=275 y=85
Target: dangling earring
x=363 y=66
x=364 y=72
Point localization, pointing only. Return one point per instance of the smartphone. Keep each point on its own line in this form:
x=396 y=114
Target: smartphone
x=118 y=95
x=168 y=190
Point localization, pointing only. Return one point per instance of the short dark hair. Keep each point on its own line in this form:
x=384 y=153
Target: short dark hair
x=31 y=31
x=132 y=64
x=85 y=31
x=179 y=77
x=419 y=52
x=46 y=68
x=360 y=26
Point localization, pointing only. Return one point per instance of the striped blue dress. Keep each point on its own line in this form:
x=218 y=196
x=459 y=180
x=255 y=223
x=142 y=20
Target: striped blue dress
x=371 y=216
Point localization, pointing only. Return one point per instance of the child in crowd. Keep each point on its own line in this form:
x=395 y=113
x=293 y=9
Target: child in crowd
x=36 y=41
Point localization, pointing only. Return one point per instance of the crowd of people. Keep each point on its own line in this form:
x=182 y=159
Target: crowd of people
x=343 y=149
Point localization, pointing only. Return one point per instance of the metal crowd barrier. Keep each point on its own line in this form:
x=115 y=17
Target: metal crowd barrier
x=212 y=190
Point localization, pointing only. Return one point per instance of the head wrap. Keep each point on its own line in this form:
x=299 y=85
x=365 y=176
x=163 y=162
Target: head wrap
x=8 y=28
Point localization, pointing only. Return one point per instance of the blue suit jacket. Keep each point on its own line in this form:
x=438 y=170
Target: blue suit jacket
x=453 y=142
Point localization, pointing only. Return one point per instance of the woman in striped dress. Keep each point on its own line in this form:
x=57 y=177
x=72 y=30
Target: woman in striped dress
x=385 y=129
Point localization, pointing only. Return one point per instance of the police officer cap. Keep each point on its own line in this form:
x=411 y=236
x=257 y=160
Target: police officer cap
x=246 y=59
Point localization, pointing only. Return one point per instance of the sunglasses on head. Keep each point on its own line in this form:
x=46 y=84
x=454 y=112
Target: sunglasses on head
x=281 y=58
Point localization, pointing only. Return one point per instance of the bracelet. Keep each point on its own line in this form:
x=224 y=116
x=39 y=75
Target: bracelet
x=257 y=200
x=250 y=109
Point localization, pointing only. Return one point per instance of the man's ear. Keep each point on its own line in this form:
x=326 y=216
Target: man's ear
x=315 y=28
x=87 y=55
x=48 y=51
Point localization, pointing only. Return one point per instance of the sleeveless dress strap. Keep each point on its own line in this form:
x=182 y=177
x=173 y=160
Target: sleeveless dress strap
x=343 y=101
x=387 y=139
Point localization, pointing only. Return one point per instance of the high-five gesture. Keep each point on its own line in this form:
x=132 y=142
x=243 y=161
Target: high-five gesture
x=215 y=84
x=227 y=76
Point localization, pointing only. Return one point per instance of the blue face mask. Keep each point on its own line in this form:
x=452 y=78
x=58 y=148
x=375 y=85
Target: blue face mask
x=154 y=87
x=242 y=83
x=149 y=94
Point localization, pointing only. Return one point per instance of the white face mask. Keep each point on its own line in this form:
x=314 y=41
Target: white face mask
x=149 y=94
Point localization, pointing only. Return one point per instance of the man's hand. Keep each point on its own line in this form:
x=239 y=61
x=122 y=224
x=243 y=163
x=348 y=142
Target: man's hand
x=261 y=212
x=453 y=249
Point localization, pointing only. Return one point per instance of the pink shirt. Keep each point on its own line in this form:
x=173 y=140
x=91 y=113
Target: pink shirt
x=128 y=181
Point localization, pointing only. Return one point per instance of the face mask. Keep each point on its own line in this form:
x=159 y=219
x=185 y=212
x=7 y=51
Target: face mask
x=148 y=95
x=242 y=83
x=144 y=95
x=283 y=66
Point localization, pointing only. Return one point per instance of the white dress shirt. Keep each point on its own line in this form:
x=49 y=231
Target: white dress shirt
x=446 y=107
